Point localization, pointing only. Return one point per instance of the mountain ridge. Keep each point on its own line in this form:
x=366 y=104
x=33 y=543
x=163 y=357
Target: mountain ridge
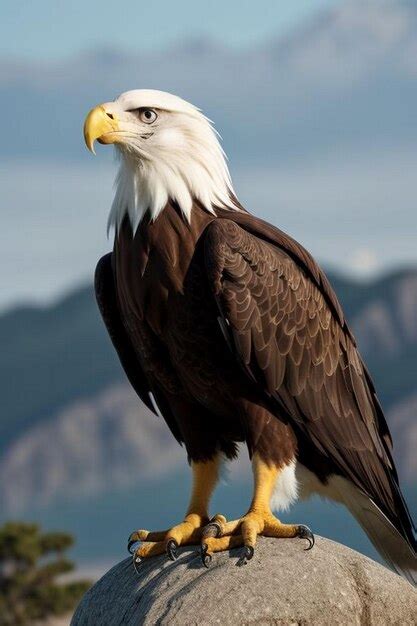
x=45 y=344
x=58 y=357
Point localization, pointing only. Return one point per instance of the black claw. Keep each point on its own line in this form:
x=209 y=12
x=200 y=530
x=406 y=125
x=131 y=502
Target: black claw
x=213 y=529
x=205 y=558
x=248 y=552
x=305 y=533
x=133 y=542
x=207 y=561
x=172 y=547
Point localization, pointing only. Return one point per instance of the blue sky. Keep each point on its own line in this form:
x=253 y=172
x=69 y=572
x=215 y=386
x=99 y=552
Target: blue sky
x=320 y=123
x=55 y=28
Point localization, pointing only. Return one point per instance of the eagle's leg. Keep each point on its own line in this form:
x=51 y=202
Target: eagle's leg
x=205 y=477
x=220 y=535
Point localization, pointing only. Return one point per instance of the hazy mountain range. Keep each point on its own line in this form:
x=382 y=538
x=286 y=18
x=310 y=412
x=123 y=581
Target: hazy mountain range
x=73 y=431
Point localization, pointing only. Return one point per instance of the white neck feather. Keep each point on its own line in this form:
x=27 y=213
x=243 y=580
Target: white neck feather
x=184 y=164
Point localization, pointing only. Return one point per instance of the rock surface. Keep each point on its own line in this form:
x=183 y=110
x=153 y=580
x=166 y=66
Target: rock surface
x=283 y=585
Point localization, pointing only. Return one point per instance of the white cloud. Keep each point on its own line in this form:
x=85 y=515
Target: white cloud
x=363 y=262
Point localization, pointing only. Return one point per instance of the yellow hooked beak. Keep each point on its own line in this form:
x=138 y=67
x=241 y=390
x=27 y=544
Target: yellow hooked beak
x=101 y=125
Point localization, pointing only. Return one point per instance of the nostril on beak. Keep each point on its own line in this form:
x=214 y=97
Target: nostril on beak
x=110 y=115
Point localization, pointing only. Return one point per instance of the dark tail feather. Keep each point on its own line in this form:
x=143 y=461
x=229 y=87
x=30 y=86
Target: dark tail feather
x=390 y=543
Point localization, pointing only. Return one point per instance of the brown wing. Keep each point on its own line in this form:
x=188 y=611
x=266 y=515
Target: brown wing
x=148 y=366
x=291 y=337
x=146 y=388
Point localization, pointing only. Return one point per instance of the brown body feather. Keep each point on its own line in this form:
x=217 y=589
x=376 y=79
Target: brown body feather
x=235 y=331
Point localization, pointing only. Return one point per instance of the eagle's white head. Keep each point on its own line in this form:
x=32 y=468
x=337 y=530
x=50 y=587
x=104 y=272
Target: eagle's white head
x=169 y=151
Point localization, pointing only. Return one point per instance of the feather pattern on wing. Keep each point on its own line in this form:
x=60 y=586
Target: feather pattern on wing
x=289 y=333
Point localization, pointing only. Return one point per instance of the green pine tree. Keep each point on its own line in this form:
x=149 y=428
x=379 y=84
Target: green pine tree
x=30 y=562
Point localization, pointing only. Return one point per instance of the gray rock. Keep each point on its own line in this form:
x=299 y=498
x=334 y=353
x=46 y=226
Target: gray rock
x=283 y=585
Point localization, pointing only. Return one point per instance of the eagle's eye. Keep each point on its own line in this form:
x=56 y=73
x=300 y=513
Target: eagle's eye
x=147 y=115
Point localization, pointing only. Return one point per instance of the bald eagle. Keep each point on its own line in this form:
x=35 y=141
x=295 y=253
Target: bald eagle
x=230 y=330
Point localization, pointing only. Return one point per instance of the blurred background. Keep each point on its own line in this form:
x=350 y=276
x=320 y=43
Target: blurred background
x=316 y=101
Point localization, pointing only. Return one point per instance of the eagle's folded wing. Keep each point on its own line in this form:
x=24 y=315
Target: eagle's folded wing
x=288 y=338
x=147 y=388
